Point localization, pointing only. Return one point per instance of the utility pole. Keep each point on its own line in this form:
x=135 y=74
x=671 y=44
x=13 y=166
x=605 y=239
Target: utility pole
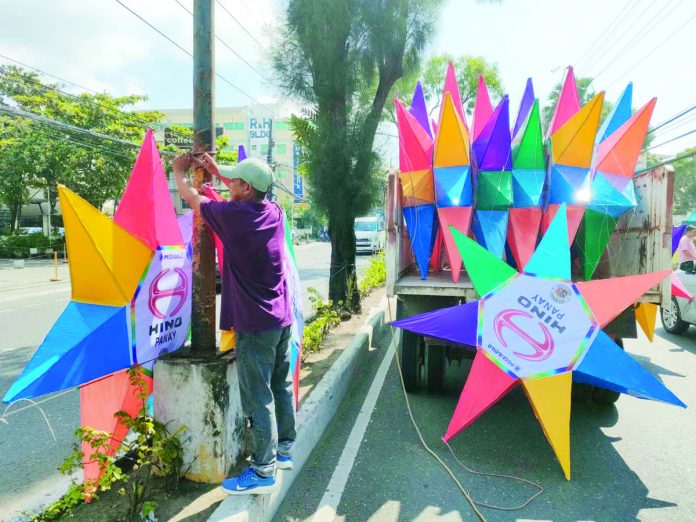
x=203 y=299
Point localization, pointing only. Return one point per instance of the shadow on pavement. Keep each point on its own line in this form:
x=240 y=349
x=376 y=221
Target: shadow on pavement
x=394 y=478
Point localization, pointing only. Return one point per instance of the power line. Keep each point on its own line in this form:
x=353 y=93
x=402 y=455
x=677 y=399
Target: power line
x=670 y=160
x=243 y=4
x=191 y=55
x=227 y=46
x=66 y=126
x=617 y=36
x=113 y=111
x=670 y=120
x=677 y=125
x=152 y=27
x=48 y=74
x=655 y=48
x=642 y=32
x=241 y=25
x=670 y=141
x=601 y=37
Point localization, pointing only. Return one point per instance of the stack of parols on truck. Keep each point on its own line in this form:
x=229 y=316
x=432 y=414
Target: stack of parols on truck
x=620 y=219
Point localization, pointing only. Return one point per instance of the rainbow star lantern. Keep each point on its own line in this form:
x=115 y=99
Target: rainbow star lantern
x=539 y=329
x=131 y=301
x=528 y=179
x=612 y=191
x=453 y=185
x=416 y=177
x=493 y=179
x=571 y=137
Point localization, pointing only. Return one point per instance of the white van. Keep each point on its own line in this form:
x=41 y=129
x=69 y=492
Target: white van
x=369 y=235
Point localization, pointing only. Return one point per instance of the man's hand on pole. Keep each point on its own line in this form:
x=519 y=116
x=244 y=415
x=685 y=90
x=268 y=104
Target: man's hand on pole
x=181 y=166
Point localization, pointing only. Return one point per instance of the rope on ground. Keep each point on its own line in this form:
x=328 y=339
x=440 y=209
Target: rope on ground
x=474 y=504
x=3 y=417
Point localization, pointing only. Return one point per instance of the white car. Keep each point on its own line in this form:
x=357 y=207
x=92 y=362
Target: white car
x=680 y=312
x=369 y=235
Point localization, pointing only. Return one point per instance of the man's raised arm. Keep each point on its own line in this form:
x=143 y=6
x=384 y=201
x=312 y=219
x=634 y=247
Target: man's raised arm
x=181 y=166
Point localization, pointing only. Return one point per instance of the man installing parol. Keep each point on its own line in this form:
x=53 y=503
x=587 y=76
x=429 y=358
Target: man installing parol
x=256 y=303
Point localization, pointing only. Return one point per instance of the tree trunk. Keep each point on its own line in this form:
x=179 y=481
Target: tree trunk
x=15 y=215
x=343 y=284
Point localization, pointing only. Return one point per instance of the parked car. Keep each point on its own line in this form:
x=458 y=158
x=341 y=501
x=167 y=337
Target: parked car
x=369 y=235
x=679 y=313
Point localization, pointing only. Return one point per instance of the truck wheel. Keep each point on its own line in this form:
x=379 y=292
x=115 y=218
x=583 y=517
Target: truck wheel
x=671 y=318
x=602 y=395
x=410 y=360
x=435 y=365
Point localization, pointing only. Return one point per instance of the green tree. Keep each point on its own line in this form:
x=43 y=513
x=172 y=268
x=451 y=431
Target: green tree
x=467 y=69
x=17 y=147
x=95 y=168
x=585 y=92
x=685 y=183
x=432 y=77
x=343 y=57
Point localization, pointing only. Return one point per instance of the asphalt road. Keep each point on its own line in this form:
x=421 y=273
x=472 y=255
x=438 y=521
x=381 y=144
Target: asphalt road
x=630 y=461
x=29 y=454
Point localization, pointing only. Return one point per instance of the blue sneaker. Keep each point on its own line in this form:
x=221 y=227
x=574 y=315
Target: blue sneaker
x=283 y=462
x=249 y=483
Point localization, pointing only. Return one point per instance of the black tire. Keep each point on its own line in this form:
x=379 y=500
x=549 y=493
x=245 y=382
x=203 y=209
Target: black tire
x=435 y=365
x=670 y=316
x=602 y=395
x=410 y=360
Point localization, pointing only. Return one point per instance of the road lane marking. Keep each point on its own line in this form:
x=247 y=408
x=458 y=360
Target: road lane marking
x=35 y=294
x=334 y=491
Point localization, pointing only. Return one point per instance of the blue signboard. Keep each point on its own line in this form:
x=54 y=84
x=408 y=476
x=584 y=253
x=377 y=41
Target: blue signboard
x=296 y=178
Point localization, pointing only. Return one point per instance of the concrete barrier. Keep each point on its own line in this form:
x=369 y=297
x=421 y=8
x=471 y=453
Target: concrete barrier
x=314 y=416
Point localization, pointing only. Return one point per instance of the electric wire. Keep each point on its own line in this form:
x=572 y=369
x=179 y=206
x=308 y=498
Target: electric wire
x=597 y=43
x=108 y=111
x=674 y=159
x=618 y=35
x=228 y=82
x=48 y=74
x=645 y=30
x=671 y=140
x=652 y=51
x=42 y=119
x=241 y=25
x=227 y=46
x=253 y=15
x=671 y=119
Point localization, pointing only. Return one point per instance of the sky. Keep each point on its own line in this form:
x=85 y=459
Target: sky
x=102 y=46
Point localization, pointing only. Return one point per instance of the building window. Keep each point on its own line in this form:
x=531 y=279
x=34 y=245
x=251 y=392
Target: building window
x=264 y=148
x=281 y=124
x=253 y=147
x=281 y=148
x=235 y=126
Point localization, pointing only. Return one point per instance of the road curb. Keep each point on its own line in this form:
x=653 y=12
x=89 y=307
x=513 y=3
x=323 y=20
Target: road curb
x=312 y=419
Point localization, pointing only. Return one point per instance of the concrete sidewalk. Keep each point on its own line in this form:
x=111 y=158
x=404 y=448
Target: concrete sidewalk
x=36 y=273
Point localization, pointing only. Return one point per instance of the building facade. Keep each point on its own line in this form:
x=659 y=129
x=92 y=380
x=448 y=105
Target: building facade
x=256 y=127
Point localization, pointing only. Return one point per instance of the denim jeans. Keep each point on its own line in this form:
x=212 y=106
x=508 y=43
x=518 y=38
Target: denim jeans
x=265 y=385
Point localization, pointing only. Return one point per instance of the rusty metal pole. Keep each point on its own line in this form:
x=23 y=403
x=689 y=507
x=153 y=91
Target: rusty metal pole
x=203 y=304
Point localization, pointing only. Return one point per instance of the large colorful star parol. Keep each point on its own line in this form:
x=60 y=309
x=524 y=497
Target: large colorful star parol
x=131 y=302
x=539 y=329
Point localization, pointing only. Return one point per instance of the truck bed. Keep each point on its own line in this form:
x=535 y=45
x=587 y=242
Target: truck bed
x=438 y=284
x=641 y=243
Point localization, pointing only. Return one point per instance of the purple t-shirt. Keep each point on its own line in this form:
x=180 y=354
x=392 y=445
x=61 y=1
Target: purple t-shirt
x=255 y=296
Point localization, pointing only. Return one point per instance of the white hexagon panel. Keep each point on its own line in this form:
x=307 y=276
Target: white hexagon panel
x=534 y=326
